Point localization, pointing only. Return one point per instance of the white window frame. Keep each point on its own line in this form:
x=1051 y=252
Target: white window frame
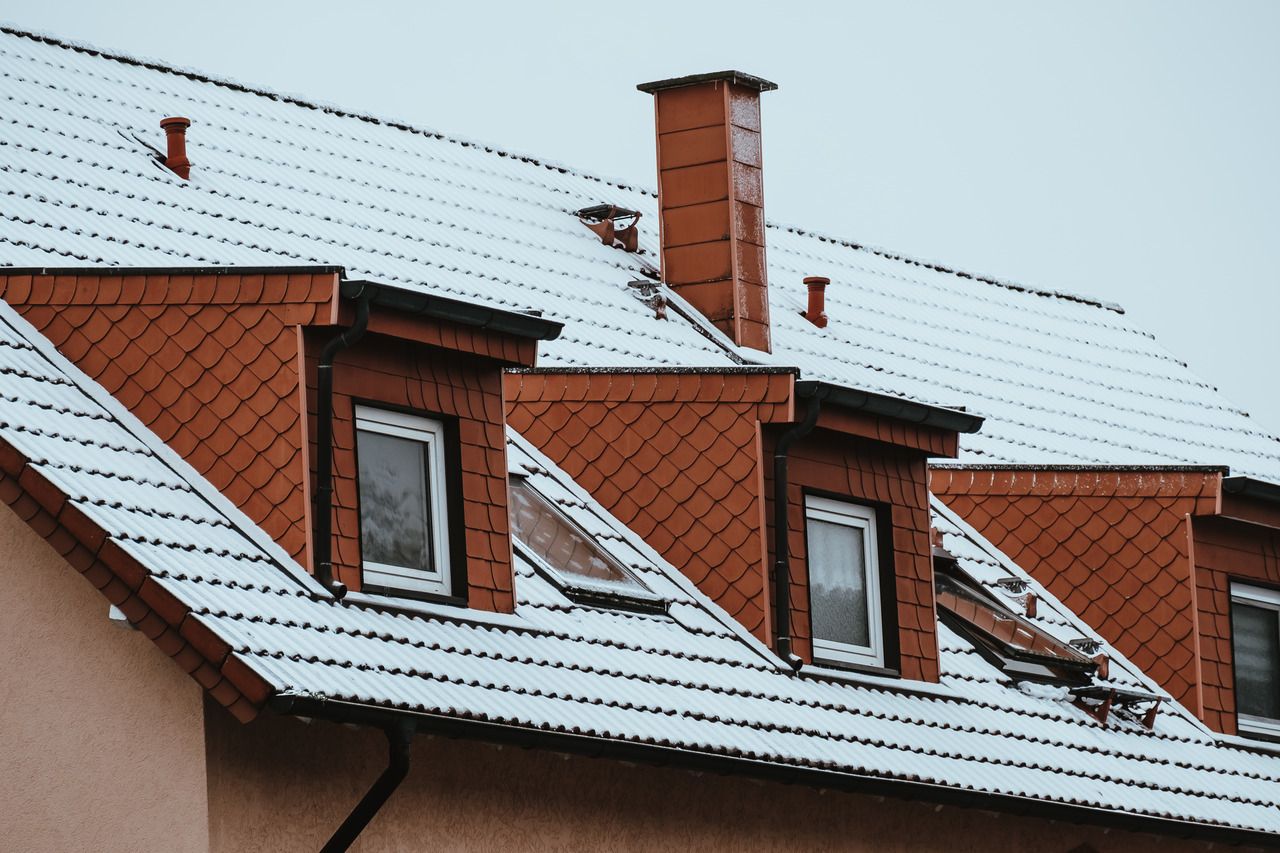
x=863 y=519
x=430 y=433
x=1266 y=599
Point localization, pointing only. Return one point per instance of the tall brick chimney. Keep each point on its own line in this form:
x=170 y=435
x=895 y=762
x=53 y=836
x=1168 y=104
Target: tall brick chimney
x=711 y=195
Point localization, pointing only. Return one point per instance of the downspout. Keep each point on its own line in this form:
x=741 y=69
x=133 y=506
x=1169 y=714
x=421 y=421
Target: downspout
x=399 y=737
x=324 y=446
x=782 y=562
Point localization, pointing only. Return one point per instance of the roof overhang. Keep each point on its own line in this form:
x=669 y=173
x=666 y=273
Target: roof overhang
x=890 y=407
x=477 y=314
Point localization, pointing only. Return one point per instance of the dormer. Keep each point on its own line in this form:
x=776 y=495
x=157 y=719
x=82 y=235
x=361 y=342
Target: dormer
x=224 y=365
x=692 y=460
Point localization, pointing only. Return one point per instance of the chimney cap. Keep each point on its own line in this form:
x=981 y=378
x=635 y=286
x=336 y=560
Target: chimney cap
x=737 y=77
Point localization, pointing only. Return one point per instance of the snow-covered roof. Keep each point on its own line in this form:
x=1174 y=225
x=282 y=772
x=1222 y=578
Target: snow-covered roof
x=1058 y=377
x=217 y=594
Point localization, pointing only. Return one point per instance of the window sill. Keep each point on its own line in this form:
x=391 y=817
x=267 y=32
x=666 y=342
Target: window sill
x=1258 y=729
x=451 y=609
x=884 y=679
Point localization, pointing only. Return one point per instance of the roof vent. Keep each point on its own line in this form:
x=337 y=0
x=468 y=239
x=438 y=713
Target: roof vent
x=175 y=129
x=603 y=220
x=817 y=313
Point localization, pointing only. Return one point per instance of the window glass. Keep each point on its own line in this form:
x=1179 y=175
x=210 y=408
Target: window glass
x=844 y=587
x=403 y=536
x=563 y=546
x=1256 y=643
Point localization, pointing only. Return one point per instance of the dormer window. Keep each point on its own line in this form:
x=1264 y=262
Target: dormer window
x=1255 y=645
x=844 y=582
x=403 y=535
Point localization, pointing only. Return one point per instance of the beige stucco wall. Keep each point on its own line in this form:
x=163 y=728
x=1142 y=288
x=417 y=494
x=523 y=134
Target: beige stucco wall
x=279 y=785
x=101 y=735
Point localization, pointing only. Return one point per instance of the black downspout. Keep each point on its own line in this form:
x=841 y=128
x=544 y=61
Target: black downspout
x=782 y=562
x=324 y=447
x=399 y=738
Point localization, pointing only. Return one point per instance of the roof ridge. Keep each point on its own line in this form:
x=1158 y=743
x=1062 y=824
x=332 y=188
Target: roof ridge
x=891 y=255
x=300 y=100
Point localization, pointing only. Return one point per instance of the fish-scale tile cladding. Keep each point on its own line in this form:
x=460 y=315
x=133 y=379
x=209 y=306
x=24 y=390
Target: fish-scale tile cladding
x=880 y=463
x=1226 y=549
x=464 y=391
x=1111 y=544
x=208 y=361
x=675 y=456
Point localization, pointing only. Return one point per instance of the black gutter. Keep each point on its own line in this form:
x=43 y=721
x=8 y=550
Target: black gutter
x=324 y=447
x=1250 y=488
x=781 y=529
x=399 y=732
x=754 y=768
x=453 y=310
x=892 y=407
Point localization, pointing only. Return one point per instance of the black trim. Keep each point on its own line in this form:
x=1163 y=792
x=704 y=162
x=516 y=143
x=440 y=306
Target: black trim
x=525 y=325
x=736 y=77
x=891 y=407
x=731 y=370
x=1106 y=469
x=754 y=768
x=319 y=269
x=1251 y=488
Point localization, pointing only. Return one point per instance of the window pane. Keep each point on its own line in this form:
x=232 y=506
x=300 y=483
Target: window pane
x=539 y=526
x=838 y=583
x=1257 y=660
x=395 y=518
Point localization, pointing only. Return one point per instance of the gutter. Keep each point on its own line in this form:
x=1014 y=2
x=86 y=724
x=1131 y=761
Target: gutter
x=891 y=407
x=531 y=325
x=656 y=755
x=1250 y=488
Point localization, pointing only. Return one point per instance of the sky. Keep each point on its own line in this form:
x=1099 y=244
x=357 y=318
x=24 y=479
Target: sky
x=1121 y=150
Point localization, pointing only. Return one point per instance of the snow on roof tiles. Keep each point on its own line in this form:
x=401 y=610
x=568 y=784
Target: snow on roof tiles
x=1058 y=377
x=690 y=679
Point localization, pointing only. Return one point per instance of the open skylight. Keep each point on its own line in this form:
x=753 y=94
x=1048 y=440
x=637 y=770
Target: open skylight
x=571 y=558
x=1014 y=644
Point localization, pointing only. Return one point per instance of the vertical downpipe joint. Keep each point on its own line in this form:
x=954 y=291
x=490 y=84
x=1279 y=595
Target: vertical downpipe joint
x=176 y=132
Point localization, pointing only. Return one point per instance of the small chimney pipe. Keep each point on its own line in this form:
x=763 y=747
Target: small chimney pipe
x=175 y=129
x=817 y=313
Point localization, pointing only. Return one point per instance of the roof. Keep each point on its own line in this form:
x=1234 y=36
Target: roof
x=1059 y=378
x=683 y=686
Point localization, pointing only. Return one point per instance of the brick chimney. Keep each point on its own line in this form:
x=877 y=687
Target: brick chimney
x=711 y=195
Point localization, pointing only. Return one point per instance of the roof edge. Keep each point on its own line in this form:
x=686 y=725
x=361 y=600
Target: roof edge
x=459 y=311
x=728 y=370
x=314 y=269
x=1105 y=469
x=340 y=711
x=1252 y=488
x=891 y=407
x=738 y=78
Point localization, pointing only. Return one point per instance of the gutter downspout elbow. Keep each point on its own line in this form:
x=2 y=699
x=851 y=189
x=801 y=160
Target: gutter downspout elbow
x=324 y=446
x=399 y=740
x=782 y=561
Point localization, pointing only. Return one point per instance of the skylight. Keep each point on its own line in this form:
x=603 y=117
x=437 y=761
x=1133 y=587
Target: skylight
x=1015 y=645
x=574 y=561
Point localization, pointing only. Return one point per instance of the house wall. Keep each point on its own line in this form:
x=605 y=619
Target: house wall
x=102 y=735
x=676 y=457
x=1112 y=546
x=1227 y=549
x=464 y=389
x=279 y=785
x=894 y=479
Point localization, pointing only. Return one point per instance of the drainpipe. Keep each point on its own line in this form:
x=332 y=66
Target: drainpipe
x=399 y=737
x=324 y=446
x=782 y=562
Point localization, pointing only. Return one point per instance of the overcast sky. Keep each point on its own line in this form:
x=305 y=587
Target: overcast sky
x=1124 y=150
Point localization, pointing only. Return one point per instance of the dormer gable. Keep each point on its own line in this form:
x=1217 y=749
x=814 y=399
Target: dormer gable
x=221 y=363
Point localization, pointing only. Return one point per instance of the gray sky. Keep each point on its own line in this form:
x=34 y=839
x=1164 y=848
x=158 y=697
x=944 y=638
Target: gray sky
x=1126 y=151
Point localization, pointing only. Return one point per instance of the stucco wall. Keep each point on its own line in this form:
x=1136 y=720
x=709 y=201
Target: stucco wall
x=101 y=735
x=279 y=785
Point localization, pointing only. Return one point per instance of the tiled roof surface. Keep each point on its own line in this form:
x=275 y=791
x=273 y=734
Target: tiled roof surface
x=1059 y=379
x=217 y=594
